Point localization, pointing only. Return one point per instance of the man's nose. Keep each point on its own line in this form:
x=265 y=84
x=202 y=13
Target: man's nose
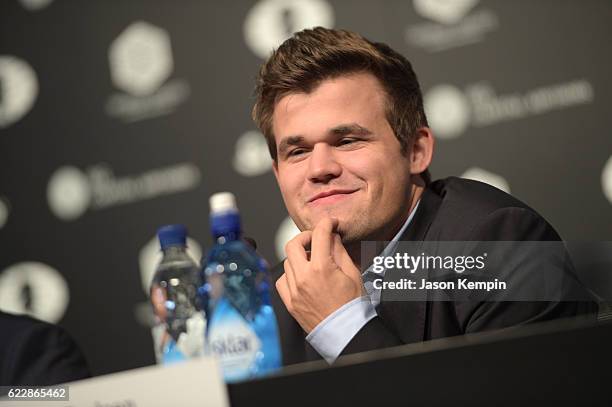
x=323 y=165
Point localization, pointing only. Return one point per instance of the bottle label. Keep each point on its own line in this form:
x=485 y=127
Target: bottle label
x=233 y=341
x=172 y=354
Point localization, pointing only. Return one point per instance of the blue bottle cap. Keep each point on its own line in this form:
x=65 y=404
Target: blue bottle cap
x=172 y=235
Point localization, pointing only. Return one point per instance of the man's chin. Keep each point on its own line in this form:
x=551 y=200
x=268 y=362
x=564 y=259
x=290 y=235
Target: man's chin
x=347 y=228
x=339 y=215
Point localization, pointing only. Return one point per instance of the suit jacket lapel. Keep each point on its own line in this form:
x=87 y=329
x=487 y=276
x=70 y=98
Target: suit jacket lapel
x=408 y=318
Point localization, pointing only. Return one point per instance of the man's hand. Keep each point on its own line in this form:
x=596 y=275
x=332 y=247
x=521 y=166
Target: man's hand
x=315 y=286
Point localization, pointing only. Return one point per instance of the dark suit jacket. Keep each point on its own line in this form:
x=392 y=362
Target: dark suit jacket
x=452 y=209
x=36 y=353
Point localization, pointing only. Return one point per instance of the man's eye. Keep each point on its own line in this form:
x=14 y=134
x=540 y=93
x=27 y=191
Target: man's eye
x=295 y=152
x=346 y=141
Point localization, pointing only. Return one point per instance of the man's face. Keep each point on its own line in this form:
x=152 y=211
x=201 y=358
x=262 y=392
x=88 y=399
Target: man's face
x=338 y=157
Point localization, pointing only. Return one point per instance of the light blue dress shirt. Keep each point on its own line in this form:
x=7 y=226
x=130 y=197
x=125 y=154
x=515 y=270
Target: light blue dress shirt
x=332 y=334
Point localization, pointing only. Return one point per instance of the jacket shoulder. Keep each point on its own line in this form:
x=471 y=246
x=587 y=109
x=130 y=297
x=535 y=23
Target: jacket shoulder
x=37 y=353
x=13 y=324
x=466 y=205
x=480 y=197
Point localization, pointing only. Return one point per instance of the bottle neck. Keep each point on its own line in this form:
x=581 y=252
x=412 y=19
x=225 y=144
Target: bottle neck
x=174 y=250
x=227 y=237
x=225 y=227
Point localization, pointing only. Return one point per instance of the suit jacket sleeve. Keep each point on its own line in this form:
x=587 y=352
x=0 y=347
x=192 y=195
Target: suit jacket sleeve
x=521 y=224
x=39 y=353
x=373 y=335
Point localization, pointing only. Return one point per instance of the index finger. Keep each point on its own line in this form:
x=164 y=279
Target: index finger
x=296 y=250
x=322 y=240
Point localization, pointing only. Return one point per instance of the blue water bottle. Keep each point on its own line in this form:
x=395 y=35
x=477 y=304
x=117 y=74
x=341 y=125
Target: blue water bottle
x=242 y=329
x=180 y=322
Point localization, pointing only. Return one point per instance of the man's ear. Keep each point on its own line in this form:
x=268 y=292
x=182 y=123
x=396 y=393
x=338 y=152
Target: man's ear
x=421 y=151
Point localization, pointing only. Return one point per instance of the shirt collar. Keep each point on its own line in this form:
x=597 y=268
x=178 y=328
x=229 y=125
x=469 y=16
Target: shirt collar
x=389 y=249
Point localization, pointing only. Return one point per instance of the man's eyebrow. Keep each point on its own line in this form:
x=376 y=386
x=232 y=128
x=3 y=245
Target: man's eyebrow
x=289 y=141
x=350 y=128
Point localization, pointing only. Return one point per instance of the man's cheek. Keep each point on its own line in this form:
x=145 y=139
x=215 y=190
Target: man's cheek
x=289 y=196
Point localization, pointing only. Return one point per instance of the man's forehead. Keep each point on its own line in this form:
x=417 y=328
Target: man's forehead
x=359 y=93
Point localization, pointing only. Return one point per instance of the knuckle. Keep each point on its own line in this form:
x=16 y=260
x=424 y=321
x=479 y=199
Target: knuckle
x=302 y=288
x=305 y=288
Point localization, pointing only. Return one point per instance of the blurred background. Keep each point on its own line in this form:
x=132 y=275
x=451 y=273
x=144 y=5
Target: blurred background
x=117 y=117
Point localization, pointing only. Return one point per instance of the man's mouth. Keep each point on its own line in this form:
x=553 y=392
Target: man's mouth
x=331 y=196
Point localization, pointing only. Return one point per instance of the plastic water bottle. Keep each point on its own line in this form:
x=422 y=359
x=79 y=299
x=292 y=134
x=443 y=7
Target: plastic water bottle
x=180 y=321
x=242 y=329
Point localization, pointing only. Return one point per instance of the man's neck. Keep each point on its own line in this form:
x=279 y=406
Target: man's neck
x=385 y=234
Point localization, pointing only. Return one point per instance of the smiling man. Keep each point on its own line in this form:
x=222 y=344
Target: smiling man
x=348 y=135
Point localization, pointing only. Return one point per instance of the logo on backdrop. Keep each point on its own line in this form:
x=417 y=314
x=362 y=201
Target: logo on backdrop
x=148 y=259
x=5 y=210
x=18 y=89
x=270 y=22
x=251 y=156
x=287 y=230
x=454 y=24
x=71 y=191
x=450 y=110
x=141 y=63
x=444 y=11
x=35 y=289
x=606 y=179
x=35 y=5
x=478 y=174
